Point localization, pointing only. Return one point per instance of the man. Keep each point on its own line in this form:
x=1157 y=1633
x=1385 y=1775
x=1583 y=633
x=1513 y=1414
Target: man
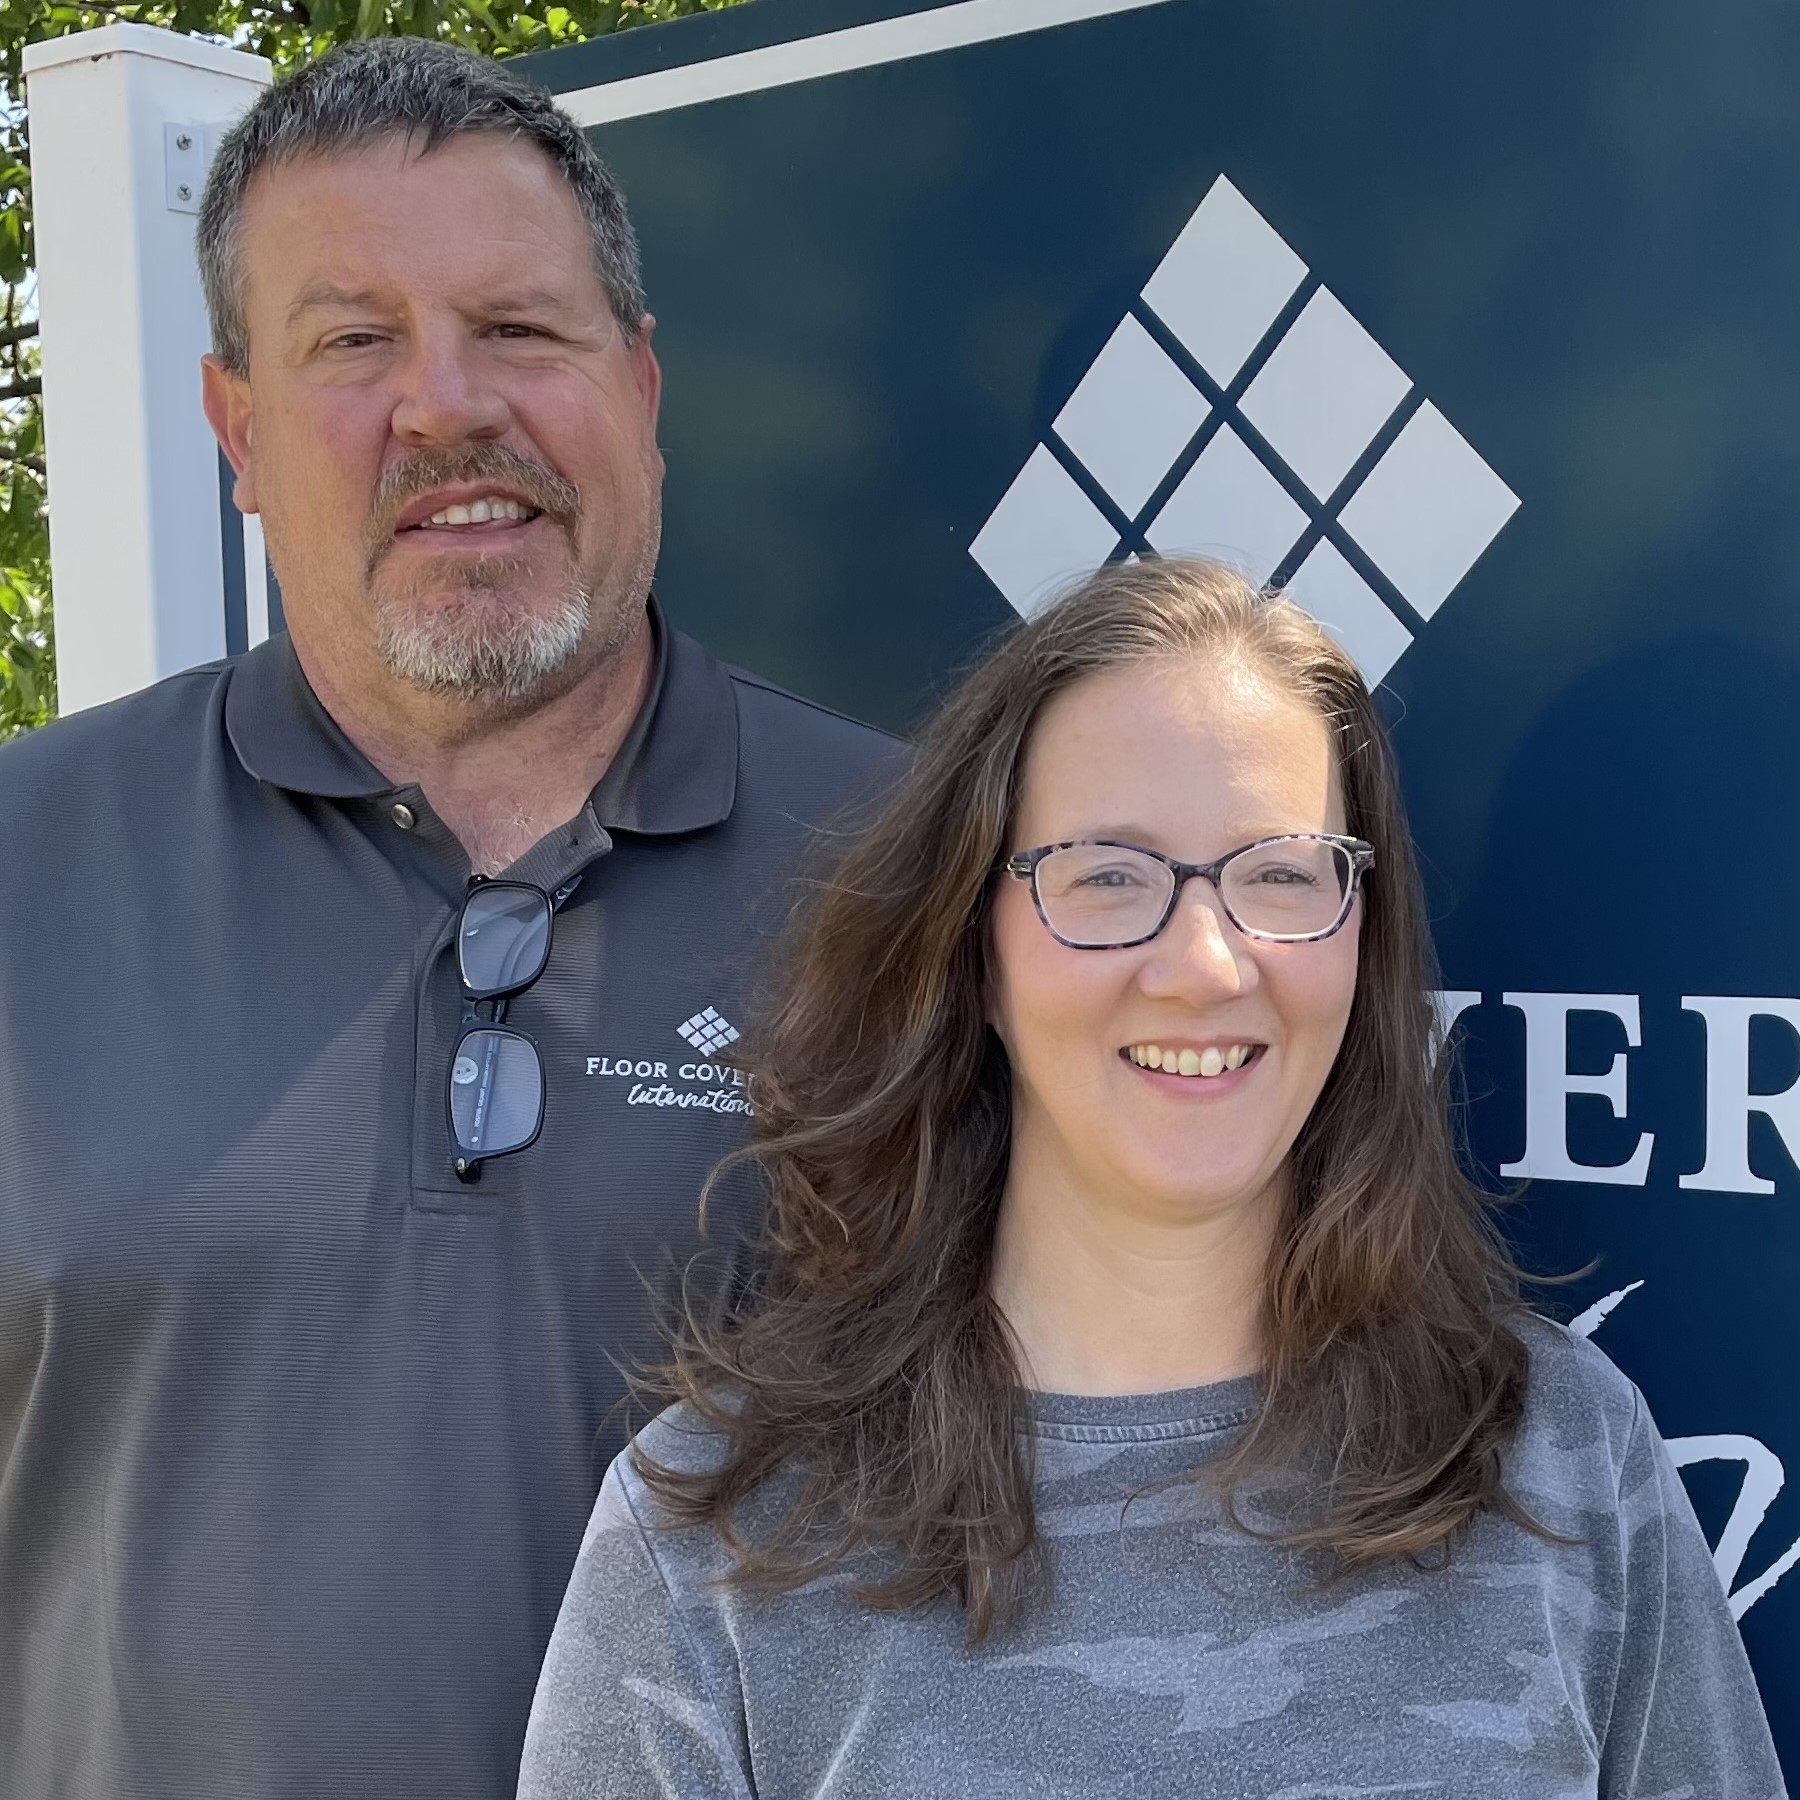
x=304 y=1399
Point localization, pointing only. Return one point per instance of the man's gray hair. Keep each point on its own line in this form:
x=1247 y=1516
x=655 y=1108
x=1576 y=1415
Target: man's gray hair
x=427 y=92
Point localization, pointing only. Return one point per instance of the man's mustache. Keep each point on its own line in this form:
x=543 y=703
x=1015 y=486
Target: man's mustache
x=403 y=482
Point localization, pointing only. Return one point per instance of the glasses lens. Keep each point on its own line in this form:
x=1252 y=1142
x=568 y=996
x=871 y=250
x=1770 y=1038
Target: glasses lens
x=1294 y=887
x=504 y=941
x=496 y=1092
x=1096 y=894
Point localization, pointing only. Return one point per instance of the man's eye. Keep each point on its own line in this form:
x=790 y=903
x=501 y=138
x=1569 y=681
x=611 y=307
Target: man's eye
x=350 y=340
x=516 y=330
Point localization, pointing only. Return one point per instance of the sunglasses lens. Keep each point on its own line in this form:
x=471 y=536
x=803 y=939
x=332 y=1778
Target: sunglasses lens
x=496 y=1092
x=504 y=939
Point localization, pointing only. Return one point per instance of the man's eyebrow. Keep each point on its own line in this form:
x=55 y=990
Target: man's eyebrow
x=526 y=300
x=328 y=293
x=510 y=304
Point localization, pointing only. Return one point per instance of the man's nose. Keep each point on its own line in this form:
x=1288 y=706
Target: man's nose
x=1199 y=955
x=447 y=394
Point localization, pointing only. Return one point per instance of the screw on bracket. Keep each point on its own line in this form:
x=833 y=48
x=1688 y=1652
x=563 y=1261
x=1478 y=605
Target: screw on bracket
x=184 y=165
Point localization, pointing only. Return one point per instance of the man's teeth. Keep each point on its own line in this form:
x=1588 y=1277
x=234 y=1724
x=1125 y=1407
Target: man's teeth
x=1210 y=1061
x=478 y=512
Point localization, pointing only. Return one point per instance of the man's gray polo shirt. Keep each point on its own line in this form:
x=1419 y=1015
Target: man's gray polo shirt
x=298 y=1433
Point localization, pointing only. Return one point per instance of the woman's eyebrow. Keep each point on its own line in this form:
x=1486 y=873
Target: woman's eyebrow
x=1129 y=834
x=1235 y=834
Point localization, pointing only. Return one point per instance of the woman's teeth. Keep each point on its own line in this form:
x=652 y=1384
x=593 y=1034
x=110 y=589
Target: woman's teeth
x=1208 y=1062
x=479 y=512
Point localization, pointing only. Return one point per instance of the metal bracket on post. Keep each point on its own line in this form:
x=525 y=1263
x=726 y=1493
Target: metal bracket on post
x=187 y=149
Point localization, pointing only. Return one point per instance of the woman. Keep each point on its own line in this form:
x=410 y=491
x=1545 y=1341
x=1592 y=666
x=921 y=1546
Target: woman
x=1137 y=1400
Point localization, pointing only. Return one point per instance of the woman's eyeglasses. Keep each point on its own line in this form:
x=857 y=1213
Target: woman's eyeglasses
x=1097 y=895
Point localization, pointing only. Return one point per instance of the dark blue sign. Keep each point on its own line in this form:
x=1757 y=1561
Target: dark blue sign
x=1480 y=327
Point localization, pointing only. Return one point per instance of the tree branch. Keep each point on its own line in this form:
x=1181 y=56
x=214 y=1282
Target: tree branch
x=17 y=334
x=29 y=462
x=23 y=390
x=281 y=12
x=120 y=12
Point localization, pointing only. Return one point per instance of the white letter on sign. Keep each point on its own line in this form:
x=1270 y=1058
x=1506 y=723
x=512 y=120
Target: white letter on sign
x=1729 y=1101
x=1548 y=1085
x=1447 y=1006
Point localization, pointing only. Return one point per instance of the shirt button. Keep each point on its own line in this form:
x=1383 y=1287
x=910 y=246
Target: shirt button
x=403 y=816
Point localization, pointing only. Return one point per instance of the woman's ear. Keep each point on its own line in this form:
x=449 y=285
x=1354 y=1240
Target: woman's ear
x=993 y=1009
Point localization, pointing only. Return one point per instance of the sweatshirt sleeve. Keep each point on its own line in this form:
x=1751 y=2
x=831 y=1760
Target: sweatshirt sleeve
x=625 y=1703
x=1686 y=1717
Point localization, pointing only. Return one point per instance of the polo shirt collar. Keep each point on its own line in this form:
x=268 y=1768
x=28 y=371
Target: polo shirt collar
x=677 y=768
x=675 y=771
x=282 y=733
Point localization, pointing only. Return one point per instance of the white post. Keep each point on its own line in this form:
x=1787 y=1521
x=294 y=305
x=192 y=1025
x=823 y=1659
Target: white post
x=122 y=124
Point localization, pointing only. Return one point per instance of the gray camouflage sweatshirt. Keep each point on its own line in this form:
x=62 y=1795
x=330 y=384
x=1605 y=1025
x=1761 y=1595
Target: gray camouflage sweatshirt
x=1173 y=1655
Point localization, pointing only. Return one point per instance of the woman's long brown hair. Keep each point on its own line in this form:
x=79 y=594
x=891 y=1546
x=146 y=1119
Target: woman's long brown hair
x=871 y=1364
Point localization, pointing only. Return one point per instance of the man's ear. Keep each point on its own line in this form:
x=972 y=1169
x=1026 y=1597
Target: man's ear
x=226 y=399
x=645 y=369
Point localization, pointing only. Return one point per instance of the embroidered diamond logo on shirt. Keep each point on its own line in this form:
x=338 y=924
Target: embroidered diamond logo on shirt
x=654 y=1081
x=707 y=1031
x=1239 y=411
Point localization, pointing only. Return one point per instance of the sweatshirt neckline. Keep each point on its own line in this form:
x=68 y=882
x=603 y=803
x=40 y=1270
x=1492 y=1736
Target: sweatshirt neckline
x=1122 y=1418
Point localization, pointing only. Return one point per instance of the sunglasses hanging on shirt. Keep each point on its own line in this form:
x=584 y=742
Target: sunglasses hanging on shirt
x=495 y=1092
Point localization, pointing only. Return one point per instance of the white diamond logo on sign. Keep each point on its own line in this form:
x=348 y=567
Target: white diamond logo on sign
x=707 y=1031
x=1240 y=411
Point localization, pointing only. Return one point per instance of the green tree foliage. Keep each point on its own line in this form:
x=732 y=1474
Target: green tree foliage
x=27 y=666
x=285 y=31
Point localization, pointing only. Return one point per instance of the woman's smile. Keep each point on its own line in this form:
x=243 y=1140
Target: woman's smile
x=1178 y=1064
